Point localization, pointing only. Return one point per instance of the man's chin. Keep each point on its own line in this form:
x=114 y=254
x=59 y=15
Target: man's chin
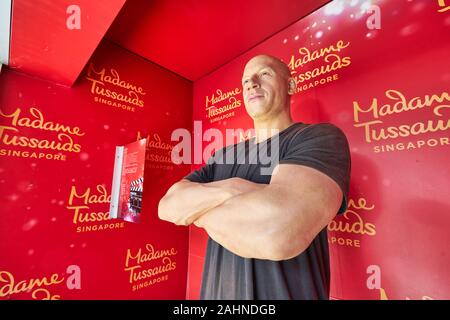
x=256 y=109
x=258 y=114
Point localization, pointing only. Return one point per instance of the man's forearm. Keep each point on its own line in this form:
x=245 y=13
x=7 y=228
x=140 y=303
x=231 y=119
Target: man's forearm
x=259 y=224
x=186 y=201
x=245 y=224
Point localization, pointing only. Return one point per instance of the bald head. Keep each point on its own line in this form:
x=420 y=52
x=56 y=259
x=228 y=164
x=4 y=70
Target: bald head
x=276 y=63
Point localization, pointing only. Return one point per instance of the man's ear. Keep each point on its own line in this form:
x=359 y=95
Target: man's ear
x=292 y=86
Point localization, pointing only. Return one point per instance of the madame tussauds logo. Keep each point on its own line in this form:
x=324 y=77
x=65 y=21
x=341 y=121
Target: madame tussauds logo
x=21 y=136
x=158 y=152
x=351 y=222
x=108 y=88
x=331 y=58
x=90 y=209
x=39 y=288
x=220 y=104
x=148 y=266
x=375 y=121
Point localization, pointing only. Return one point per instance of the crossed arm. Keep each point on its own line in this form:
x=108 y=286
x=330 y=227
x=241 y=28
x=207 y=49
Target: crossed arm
x=275 y=221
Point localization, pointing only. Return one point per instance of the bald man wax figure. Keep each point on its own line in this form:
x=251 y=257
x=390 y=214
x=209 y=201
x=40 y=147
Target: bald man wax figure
x=267 y=232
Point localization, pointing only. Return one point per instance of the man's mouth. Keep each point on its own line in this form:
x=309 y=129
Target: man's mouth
x=254 y=97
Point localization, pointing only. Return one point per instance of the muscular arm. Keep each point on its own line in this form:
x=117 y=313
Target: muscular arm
x=276 y=221
x=186 y=201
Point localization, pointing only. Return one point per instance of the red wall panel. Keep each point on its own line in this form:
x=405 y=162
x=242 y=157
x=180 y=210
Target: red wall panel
x=392 y=241
x=54 y=211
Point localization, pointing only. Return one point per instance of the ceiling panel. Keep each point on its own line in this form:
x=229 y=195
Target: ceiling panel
x=195 y=37
x=45 y=45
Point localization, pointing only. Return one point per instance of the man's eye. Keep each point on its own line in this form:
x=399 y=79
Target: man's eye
x=265 y=73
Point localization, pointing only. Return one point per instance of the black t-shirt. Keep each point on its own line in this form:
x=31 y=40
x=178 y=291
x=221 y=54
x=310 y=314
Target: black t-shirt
x=307 y=276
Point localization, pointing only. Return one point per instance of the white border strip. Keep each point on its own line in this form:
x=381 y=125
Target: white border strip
x=5 y=30
x=116 y=183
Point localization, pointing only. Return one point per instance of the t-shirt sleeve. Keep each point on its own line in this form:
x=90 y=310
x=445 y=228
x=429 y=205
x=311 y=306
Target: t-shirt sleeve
x=323 y=147
x=203 y=175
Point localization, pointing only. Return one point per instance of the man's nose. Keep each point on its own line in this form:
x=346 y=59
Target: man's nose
x=252 y=84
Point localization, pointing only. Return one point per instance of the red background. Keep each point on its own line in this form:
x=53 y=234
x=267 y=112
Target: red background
x=408 y=189
x=38 y=237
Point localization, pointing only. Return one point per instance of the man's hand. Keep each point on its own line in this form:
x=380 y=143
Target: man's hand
x=186 y=201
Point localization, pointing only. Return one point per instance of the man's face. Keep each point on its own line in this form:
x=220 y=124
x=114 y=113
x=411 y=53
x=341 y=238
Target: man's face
x=265 y=87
